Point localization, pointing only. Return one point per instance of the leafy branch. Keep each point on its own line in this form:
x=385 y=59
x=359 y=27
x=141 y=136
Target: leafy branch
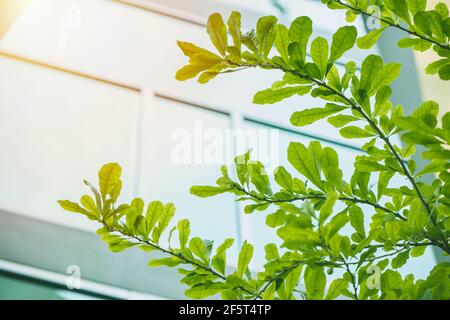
x=391 y=23
x=357 y=102
x=427 y=27
x=317 y=197
x=323 y=76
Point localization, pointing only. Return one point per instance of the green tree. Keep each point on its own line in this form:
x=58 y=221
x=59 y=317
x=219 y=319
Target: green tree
x=404 y=220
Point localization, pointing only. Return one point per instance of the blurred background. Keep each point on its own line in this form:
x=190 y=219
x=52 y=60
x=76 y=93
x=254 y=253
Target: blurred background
x=86 y=82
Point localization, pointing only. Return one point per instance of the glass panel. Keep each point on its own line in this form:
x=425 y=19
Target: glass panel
x=184 y=146
x=55 y=130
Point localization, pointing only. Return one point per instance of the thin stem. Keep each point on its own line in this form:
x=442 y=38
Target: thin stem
x=352 y=278
x=277 y=276
x=179 y=256
x=392 y=24
x=321 y=197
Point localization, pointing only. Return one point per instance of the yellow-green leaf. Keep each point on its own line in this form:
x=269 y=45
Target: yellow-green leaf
x=234 y=27
x=217 y=32
x=245 y=255
x=109 y=176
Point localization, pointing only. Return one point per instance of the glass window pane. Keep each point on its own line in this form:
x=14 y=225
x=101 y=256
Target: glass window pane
x=183 y=146
x=57 y=129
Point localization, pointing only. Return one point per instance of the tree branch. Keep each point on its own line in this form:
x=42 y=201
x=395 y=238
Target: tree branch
x=322 y=197
x=392 y=24
x=178 y=255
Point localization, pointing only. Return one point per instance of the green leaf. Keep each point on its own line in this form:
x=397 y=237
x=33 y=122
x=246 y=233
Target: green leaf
x=383 y=182
x=271 y=250
x=72 y=207
x=352 y=132
x=417 y=218
x=333 y=78
x=370 y=166
x=265 y=34
x=435 y=66
x=330 y=160
x=393 y=230
x=198 y=247
x=207 y=191
x=89 y=203
x=356 y=216
x=442 y=9
x=234 y=27
x=120 y=245
x=387 y=74
x=292 y=280
x=168 y=262
x=283 y=178
x=259 y=177
x=303 y=161
x=343 y=40
x=245 y=255
x=433 y=166
x=369 y=40
x=299 y=32
x=190 y=71
x=391 y=280
x=190 y=49
x=444 y=72
x=400 y=259
x=435 y=22
x=422 y=22
x=336 y=224
x=319 y=54
x=183 y=232
x=369 y=70
x=400 y=8
x=276 y=219
x=330 y=167
x=166 y=217
x=217 y=32
x=204 y=290
x=382 y=104
x=414 y=124
x=138 y=203
x=219 y=261
x=417 y=44
x=416 y=6
x=337 y=288
x=249 y=40
x=308 y=116
x=427 y=112
x=341 y=120
x=282 y=41
x=241 y=162
x=270 y=96
x=418 y=251
x=315 y=281
x=109 y=176
x=154 y=213
x=327 y=208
